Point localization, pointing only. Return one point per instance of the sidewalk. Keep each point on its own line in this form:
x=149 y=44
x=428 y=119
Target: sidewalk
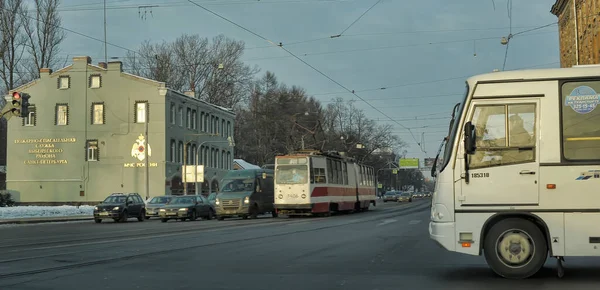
x=37 y=220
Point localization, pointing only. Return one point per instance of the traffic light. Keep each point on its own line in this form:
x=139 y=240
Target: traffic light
x=25 y=105
x=20 y=104
x=16 y=104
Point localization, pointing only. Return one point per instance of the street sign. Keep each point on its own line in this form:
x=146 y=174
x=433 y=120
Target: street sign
x=190 y=173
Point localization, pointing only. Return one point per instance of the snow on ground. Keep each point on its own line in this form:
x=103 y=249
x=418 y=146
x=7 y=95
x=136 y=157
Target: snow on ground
x=17 y=212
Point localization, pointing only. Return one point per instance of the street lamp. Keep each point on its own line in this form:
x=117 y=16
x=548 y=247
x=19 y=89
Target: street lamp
x=229 y=141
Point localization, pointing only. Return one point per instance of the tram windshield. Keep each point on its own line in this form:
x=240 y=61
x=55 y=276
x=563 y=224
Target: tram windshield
x=291 y=174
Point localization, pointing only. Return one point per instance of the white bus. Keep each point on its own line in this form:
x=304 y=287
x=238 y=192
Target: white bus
x=518 y=178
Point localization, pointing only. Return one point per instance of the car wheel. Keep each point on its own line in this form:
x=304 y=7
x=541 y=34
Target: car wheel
x=274 y=213
x=194 y=216
x=98 y=221
x=211 y=214
x=123 y=217
x=142 y=216
x=163 y=220
x=515 y=248
x=220 y=218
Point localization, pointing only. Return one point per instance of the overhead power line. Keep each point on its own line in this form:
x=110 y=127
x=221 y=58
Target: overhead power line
x=312 y=67
x=355 y=21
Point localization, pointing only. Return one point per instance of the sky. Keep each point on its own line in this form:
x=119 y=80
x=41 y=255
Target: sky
x=406 y=60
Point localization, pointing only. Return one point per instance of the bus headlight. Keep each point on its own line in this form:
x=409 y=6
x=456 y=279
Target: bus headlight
x=247 y=200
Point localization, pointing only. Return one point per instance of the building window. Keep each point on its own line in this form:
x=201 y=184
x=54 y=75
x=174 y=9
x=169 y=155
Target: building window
x=188 y=118
x=202 y=121
x=194 y=151
x=61 y=115
x=64 y=82
x=92 y=150
x=505 y=135
x=173 y=150
x=141 y=112
x=173 y=113
x=180 y=152
x=228 y=129
x=194 y=120
x=205 y=122
x=223 y=128
x=97 y=113
x=229 y=161
x=180 y=113
x=95 y=81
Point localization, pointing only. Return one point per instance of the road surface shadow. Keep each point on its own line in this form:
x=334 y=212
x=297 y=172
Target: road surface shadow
x=548 y=272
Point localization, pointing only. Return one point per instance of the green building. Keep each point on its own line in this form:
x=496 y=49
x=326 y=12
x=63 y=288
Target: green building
x=85 y=137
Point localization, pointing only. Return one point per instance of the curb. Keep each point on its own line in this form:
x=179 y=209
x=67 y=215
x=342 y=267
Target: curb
x=44 y=220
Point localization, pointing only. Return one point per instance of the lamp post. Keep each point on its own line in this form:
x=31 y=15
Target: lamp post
x=231 y=144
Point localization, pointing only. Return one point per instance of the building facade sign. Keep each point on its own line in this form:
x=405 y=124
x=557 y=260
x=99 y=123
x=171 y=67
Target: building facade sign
x=45 y=151
x=138 y=152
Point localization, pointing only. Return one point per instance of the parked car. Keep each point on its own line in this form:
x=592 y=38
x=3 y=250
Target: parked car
x=187 y=207
x=120 y=207
x=155 y=204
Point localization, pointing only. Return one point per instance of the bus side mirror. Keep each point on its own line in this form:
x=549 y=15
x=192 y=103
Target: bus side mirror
x=470 y=137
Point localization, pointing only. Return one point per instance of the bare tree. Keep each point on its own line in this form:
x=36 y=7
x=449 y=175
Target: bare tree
x=212 y=69
x=14 y=42
x=44 y=35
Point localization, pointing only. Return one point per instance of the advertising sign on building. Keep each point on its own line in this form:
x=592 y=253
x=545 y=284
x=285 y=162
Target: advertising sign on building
x=193 y=173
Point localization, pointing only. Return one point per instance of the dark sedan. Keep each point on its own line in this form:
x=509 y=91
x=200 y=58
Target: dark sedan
x=187 y=207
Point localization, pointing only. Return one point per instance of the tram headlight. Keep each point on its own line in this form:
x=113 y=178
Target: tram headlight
x=247 y=200
x=303 y=195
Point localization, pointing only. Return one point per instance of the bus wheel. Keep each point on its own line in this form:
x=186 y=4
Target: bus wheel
x=515 y=248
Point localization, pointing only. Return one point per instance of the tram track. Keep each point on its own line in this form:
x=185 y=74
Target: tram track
x=336 y=223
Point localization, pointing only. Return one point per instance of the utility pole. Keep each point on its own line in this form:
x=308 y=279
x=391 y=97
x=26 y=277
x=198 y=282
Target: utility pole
x=147 y=167
x=105 y=47
x=184 y=168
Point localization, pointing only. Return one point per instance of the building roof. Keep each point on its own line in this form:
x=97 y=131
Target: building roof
x=558 y=7
x=538 y=74
x=98 y=67
x=245 y=165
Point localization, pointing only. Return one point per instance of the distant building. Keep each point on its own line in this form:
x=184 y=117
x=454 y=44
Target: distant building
x=85 y=137
x=578 y=31
x=241 y=164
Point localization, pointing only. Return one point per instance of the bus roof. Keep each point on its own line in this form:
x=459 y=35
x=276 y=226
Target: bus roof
x=536 y=74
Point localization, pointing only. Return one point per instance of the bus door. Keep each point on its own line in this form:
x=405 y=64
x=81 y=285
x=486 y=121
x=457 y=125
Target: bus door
x=504 y=168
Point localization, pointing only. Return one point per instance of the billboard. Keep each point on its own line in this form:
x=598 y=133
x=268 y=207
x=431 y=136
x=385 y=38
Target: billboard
x=409 y=163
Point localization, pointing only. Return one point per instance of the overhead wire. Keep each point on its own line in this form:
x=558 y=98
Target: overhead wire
x=355 y=21
x=312 y=67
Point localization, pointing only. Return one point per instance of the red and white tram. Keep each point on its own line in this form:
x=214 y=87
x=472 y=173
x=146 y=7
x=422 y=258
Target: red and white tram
x=313 y=182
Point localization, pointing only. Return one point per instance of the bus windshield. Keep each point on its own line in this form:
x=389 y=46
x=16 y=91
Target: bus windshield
x=448 y=141
x=291 y=174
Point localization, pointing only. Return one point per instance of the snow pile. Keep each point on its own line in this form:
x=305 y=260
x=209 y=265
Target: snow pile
x=17 y=212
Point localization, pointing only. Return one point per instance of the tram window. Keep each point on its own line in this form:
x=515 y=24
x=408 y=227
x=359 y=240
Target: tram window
x=318 y=175
x=330 y=170
x=345 y=172
x=340 y=173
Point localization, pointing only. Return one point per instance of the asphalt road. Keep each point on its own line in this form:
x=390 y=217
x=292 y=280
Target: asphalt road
x=385 y=248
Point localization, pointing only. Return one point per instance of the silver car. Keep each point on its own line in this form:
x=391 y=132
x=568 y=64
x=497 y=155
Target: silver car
x=154 y=205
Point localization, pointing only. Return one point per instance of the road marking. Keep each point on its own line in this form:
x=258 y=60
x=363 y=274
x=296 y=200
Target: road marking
x=388 y=221
x=414 y=222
